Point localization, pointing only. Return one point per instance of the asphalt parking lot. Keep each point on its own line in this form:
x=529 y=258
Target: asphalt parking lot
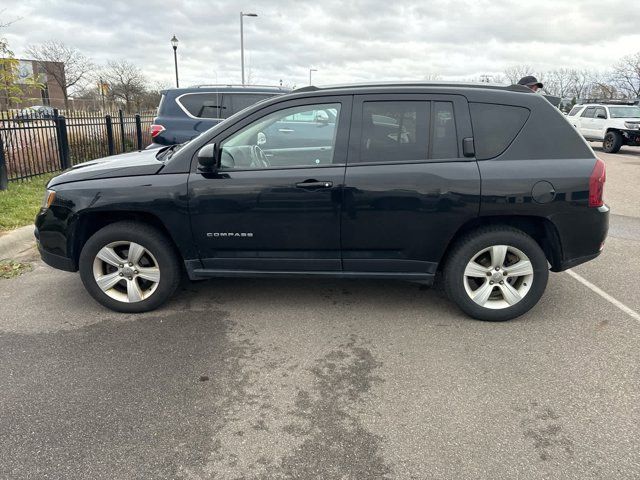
x=243 y=378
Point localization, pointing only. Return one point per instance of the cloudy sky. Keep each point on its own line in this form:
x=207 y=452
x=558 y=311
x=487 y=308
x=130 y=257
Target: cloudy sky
x=345 y=40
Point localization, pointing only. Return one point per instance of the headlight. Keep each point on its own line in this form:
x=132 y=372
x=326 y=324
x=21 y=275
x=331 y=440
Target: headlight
x=49 y=197
x=632 y=126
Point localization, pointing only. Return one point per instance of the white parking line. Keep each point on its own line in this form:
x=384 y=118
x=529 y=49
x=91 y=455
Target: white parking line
x=632 y=313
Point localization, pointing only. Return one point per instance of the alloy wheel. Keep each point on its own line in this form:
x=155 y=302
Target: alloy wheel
x=498 y=277
x=126 y=271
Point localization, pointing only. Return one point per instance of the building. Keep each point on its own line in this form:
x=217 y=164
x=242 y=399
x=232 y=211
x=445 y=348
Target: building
x=52 y=94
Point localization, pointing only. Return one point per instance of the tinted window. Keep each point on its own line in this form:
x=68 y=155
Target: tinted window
x=233 y=103
x=218 y=105
x=444 y=141
x=574 y=111
x=202 y=105
x=273 y=141
x=495 y=127
x=600 y=111
x=589 y=112
x=328 y=115
x=394 y=131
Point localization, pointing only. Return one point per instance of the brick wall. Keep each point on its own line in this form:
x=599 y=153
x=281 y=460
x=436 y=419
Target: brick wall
x=52 y=95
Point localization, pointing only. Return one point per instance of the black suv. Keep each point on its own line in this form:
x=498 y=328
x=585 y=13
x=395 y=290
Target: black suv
x=491 y=186
x=185 y=113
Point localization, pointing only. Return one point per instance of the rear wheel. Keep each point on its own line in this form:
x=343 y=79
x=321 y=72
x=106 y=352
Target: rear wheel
x=129 y=267
x=612 y=142
x=496 y=273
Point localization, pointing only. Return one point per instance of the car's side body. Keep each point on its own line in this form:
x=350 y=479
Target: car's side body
x=380 y=218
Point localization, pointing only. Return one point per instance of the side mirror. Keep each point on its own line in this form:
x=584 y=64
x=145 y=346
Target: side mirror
x=322 y=117
x=207 y=157
x=601 y=115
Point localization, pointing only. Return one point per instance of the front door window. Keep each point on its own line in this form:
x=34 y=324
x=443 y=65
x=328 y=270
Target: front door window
x=302 y=136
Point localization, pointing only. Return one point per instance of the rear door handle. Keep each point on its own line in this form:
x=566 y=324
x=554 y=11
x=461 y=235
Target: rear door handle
x=312 y=184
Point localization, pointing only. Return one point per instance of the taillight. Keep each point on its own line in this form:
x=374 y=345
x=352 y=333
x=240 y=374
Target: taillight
x=596 y=184
x=156 y=129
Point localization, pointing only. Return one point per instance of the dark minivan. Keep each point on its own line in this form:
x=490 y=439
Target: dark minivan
x=185 y=113
x=489 y=186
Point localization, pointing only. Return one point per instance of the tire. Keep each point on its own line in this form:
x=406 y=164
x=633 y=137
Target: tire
x=612 y=142
x=464 y=279
x=150 y=281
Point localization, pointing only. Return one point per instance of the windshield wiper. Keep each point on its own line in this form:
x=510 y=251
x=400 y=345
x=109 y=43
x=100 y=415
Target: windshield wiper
x=167 y=153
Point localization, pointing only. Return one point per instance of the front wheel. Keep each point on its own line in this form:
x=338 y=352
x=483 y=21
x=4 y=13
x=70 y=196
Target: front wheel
x=612 y=142
x=129 y=267
x=496 y=273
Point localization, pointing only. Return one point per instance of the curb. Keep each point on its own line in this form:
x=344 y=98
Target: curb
x=16 y=242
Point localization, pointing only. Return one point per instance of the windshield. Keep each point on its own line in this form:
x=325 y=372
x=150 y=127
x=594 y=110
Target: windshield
x=625 y=112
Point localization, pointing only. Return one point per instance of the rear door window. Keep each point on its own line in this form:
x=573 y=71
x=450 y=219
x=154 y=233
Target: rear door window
x=234 y=102
x=444 y=142
x=394 y=131
x=495 y=127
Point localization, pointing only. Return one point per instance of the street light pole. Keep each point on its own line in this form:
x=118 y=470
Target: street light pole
x=242 y=15
x=311 y=70
x=174 y=44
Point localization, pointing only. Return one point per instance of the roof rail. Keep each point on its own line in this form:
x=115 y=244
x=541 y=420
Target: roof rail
x=604 y=101
x=205 y=85
x=494 y=86
x=308 y=88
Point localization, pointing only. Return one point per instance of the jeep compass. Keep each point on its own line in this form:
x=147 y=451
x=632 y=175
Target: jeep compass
x=490 y=187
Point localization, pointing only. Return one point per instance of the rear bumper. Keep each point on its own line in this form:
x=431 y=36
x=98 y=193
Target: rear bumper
x=567 y=264
x=582 y=236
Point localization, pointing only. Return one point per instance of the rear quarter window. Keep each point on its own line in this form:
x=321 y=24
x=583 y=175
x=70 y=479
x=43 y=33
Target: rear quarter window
x=495 y=127
x=201 y=105
x=161 y=104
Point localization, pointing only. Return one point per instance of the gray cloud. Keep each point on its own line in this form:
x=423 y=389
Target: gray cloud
x=361 y=40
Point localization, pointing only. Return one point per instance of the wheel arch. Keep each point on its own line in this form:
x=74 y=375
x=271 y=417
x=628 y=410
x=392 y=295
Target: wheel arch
x=88 y=223
x=541 y=229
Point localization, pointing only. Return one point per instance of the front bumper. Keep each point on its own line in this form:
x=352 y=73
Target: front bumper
x=56 y=261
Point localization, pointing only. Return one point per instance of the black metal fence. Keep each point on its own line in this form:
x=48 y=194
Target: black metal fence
x=38 y=142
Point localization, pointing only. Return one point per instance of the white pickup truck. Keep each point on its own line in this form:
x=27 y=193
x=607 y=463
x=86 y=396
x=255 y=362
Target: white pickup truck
x=613 y=125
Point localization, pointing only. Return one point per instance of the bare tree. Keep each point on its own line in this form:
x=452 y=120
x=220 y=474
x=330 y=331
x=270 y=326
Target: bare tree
x=602 y=86
x=126 y=82
x=67 y=66
x=515 y=72
x=581 y=82
x=4 y=22
x=626 y=75
x=560 y=82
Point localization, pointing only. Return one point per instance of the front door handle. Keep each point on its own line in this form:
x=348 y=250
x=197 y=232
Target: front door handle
x=312 y=184
x=286 y=130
